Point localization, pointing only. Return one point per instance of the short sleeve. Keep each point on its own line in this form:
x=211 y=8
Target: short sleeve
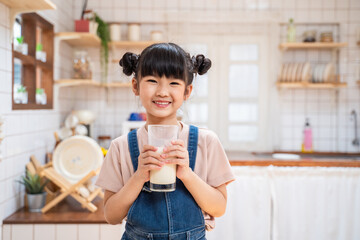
x=110 y=177
x=219 y=169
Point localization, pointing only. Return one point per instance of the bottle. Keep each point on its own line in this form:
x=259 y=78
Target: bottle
x=291 y=31
x=307 y=139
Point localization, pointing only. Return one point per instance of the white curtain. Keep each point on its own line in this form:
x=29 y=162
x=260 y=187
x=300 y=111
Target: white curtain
x=282 y=203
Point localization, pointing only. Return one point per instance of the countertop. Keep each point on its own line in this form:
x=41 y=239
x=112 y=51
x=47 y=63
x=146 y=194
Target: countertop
x=306 y=159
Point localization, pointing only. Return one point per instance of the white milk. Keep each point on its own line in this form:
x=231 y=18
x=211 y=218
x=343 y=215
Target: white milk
x=165 y=175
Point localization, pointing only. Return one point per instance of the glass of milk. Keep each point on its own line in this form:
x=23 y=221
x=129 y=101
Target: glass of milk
x=160 y=136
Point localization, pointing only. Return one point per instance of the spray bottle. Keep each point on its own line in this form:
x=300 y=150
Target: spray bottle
x=307 y=145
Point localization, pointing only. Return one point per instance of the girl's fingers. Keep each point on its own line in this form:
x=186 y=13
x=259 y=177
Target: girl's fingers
x=152 y=160
x=151 y=154
x=177 y=161
x=149 y=148
x=174 y=147
x=175 y=153
x=178 y=142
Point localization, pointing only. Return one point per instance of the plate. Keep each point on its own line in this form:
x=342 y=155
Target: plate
x=76 y=156
x=329 y=72
x=286 y=156
x=283 y=72
x=289 y=71
x=298 y=72
x=306 y=72
x=293 y=73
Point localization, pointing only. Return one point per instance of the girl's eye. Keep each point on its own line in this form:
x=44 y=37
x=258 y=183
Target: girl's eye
x=151 y=80
x=174 y=83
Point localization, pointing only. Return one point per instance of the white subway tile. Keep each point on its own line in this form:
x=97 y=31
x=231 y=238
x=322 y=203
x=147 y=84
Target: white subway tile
x=276 y=4
x=89 y=231
x=354 y=4
x=329 y=4
x=342 y=4
x=135 y=4
x=315 y=4
x=355 y=15
x=22 y=231
x=328 y=15
x=66 y=231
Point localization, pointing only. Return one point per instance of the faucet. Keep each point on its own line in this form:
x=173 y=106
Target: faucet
x=355 y=142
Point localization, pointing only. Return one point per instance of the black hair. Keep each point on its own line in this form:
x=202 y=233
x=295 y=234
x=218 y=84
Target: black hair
x=165 y=59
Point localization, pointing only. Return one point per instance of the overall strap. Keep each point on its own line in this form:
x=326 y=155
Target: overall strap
x=133 y=148
x=192 y=145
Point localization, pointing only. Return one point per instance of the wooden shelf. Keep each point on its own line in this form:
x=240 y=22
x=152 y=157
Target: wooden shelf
x=315 y=45
x=25 y=59
x=358 y=43
x=76 y=82
x=29 y=5
x=44 y=65
x=90 y=82
x=118 y=85
x=131 y=44
x=79 y=39
x=358 y=82
x=310 y=85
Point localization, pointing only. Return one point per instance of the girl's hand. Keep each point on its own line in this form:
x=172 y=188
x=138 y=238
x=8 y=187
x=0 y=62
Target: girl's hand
x=177 y=154
x=148 y=160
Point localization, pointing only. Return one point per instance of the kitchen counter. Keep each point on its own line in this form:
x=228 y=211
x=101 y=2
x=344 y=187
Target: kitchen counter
x=306 y=160
x=66 y=212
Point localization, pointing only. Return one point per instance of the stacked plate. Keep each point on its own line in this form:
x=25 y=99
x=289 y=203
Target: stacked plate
x=323 y=73
x=295 y=72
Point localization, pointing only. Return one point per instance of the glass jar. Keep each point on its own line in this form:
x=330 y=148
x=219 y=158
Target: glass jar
x=81 y=66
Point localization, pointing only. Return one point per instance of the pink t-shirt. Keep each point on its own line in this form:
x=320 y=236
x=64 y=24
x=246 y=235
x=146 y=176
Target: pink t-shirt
x=212 y=164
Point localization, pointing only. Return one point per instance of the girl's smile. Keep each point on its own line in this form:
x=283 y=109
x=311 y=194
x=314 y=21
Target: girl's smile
x=162 y=104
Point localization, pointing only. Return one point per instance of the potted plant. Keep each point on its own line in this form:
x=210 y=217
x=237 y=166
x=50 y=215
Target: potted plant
x=40 y=96
x=20 y=94
x=34 y=186
x=40 y=54
x=21 y=46
x=104 y=35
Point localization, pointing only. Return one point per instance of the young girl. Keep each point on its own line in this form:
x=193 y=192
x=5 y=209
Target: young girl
x=163 y=76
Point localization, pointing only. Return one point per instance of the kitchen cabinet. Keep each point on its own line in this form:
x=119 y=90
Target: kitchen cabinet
x=33 y=78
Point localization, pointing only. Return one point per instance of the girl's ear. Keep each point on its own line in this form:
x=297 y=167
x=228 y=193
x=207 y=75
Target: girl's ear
x=135 y=87
x=188 y=91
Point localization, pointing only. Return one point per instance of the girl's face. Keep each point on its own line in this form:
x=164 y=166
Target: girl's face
x=161 y=97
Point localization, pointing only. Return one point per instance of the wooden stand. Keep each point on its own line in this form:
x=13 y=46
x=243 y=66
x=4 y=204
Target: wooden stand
x=64 y=188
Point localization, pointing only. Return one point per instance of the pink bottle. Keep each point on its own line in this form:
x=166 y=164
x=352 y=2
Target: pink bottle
x=307 y=141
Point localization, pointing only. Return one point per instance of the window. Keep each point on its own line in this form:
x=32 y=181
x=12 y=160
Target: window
x=32 y=63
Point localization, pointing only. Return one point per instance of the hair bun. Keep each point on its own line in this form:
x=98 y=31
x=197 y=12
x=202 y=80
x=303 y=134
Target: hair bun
x=201 y=64
x=129 y=63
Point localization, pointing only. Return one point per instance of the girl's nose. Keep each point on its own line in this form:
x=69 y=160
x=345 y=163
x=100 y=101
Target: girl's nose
x=162 y=91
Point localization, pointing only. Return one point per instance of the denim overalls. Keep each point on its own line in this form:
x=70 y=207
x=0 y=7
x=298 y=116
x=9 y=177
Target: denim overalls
x=165 y=215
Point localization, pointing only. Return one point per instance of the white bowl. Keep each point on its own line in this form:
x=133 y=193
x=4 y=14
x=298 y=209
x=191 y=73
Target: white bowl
x=84 y=116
